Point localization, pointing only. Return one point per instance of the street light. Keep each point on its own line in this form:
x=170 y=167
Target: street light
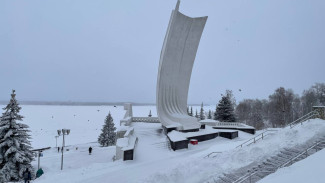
x=63 y=132
x=56 y=141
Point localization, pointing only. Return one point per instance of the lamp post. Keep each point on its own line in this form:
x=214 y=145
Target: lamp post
x=40 y=154
x=39 y=159
x=56 y=141
x=63 y=132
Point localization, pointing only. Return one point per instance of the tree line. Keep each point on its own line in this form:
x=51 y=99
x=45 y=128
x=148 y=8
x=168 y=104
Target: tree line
x=281 y=108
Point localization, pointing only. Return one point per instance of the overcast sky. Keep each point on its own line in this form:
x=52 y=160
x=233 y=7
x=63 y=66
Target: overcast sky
x=108 y=50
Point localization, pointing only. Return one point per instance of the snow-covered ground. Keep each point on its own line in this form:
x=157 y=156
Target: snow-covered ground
x=85 y=122
x=310 y=169
x=153 y=161
x=199 y=170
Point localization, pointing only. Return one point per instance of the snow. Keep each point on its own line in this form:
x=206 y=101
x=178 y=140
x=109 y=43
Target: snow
x=198 y=170
x=129 y=132
x=122 y=142
x=310 y=169
x=154 y=162
x=209 y=121
x=131 y=143
x=179 y=136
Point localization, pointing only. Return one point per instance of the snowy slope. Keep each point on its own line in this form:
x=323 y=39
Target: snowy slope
x=200 y=171
x=151 y=156
x=153 y=161
x=310 y=169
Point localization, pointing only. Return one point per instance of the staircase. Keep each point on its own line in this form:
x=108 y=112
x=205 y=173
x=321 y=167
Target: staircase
x=258 y=137
x=300 y=120
x=163 y=145
x=258 y=170
x=287 y=156
x=311 y=115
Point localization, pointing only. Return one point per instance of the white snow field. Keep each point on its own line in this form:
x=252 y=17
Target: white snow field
x=310 y=170
x=154 y=162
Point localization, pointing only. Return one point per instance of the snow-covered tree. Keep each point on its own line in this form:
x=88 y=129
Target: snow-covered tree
x=15 y=148
x=256 y=119
x=202 y=116
x=225 y=110
x=108 y=135
x=209 y=115
x=191 y=113
x=196 y=115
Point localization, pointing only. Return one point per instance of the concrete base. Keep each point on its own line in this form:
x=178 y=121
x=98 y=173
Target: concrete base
x=201 y=138
x=247 y=130
x=191 y=130
x=179 y=144
x=167 y=130
x=183 y=144
x=229 y=135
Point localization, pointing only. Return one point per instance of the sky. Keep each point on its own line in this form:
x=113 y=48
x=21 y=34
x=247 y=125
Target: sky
x=108 y=50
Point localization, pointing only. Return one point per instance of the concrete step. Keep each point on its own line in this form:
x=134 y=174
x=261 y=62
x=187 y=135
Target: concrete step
x=225 y=180
x=290 y=153
x=285 y=156
x=293 y=150
x=230 y=177
x=275 y=160
x=270 y=165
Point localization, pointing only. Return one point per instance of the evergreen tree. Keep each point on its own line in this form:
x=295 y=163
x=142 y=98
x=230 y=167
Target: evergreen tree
x=188 y=111
x=196 y=115
x=108 y=135
x=202 y=117
x=225 y=110
x=191 y=113
x=15 y=149
x=215 y=115
x=209 y=115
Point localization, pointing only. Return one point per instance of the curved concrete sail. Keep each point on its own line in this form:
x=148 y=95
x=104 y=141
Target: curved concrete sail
x=175 y=68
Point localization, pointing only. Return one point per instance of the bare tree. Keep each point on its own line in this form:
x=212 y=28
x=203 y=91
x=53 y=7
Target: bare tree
x=280 y=107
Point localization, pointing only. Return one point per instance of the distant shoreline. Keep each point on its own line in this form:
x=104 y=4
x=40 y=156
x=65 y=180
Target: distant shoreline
x=82 y=103
x=76 y=103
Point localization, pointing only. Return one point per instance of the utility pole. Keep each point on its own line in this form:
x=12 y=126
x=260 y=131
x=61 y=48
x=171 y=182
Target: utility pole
x=39 y=159
x=63 y=132
x=56 y=141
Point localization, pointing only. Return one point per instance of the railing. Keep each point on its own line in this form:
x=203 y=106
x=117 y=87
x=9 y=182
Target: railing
x=256 y=138
x=290 y=161
x=300 y=120
x=304 y=118
x=229 y=124
x=301 y=153
x=145 y=119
